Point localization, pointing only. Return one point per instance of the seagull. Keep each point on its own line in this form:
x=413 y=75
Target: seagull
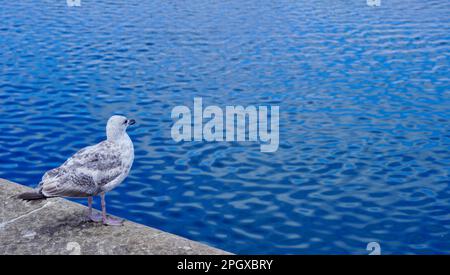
x=92 y=171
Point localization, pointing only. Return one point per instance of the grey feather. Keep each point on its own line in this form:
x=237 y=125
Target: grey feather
x=86 y=172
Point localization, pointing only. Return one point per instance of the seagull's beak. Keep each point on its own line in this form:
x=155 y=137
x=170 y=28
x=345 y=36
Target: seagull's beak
x=131 y=122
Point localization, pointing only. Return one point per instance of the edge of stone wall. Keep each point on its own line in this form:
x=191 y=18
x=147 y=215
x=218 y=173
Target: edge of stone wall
x=58 y=226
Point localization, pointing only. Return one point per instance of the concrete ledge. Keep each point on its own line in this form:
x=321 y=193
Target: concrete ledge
x=57 y=226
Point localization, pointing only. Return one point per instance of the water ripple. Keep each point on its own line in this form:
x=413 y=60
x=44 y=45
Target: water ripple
x=364 y=96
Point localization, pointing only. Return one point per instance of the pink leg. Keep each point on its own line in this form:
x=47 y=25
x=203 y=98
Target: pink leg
x=91 y=216
x=108 y=220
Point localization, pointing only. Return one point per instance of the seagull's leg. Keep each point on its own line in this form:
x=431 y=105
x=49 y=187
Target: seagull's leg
x=90 y=205
x=91 y=216
x=108 y=220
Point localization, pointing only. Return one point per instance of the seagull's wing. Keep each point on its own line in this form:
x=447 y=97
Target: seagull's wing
x=84 y=173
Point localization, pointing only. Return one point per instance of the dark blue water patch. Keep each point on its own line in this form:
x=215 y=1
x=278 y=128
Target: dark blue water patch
x=364 y=100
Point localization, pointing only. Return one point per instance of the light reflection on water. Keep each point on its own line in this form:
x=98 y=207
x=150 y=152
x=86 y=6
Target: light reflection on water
x=364 y=104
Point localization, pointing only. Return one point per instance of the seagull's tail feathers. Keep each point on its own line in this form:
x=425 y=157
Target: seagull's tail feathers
x=32 y=196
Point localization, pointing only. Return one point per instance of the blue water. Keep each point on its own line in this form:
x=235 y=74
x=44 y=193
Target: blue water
x=364 y=96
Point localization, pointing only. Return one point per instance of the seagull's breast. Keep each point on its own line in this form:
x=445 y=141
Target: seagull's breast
x=126 y=149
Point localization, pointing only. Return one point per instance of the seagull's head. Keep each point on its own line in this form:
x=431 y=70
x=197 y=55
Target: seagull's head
x=117 y=126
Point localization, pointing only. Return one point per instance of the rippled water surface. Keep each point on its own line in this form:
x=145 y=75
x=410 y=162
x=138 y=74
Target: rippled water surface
x=364 y=98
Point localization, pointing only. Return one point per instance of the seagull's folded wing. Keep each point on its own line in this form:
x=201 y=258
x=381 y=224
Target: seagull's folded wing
x=85 y=173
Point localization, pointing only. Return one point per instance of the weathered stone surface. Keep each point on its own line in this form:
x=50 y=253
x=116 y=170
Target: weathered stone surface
x=58 y=226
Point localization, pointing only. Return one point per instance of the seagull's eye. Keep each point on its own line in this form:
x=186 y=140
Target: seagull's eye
x=125 y=122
